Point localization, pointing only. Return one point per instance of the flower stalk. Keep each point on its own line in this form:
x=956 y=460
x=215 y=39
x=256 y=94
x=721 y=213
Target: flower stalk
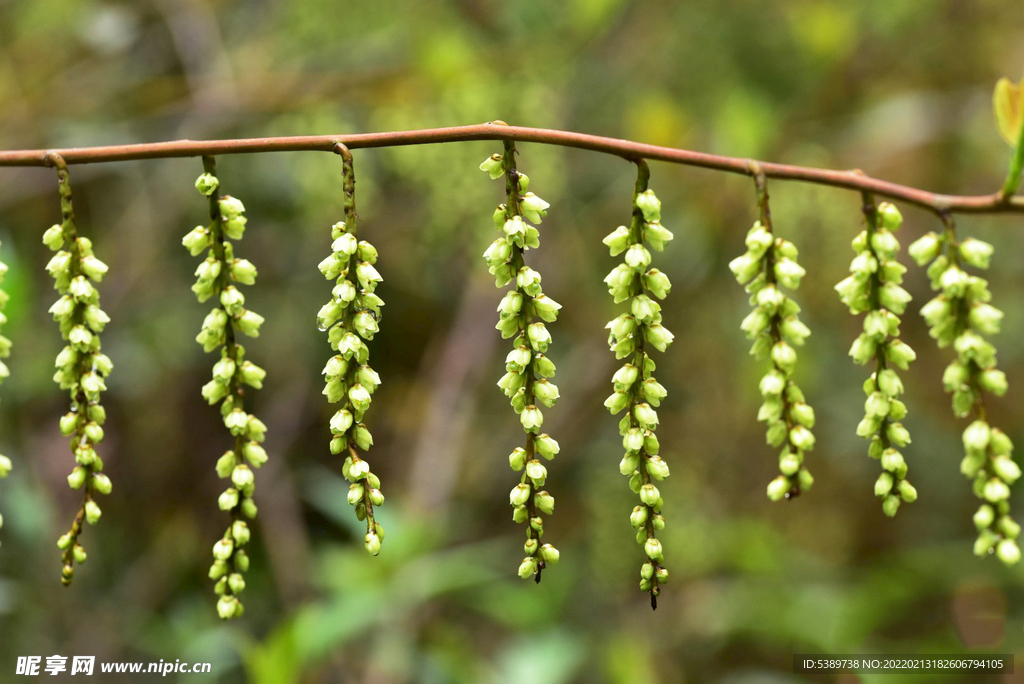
x=523 y=312
x=768 y=267
x=81 y=366
x=635 y=388
x=873 y=288
x=351 y=318
x=219 y=276
x=961 y=316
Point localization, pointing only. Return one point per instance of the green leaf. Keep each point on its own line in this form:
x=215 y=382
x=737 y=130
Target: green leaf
x=1008 y=102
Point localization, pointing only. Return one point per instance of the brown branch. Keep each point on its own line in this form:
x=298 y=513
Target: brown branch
x=627 y=149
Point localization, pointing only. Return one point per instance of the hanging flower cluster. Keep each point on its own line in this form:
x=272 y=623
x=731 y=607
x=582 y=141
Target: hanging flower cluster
x=526 y=381
x=218 y=276
x=961 y=316
x=81 y=366
x=350 y=317
x=873 y=286
x=635 y=388
x=769 y=266
x=5 y=351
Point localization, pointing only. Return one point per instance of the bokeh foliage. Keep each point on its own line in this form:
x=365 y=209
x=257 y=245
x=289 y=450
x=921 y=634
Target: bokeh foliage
x=899 y=88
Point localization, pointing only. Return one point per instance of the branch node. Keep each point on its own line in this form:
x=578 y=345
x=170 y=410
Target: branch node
x=343 y=151
x=54 y=160
x=940 y=206
x=643 y=171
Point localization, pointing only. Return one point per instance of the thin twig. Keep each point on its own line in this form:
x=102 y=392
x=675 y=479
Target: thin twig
x=995 y=203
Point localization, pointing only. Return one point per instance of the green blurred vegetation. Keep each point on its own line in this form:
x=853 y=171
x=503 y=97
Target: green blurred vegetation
x=899 y=88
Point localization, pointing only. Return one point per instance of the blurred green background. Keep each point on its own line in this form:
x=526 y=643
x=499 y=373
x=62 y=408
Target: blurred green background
x=899 y=88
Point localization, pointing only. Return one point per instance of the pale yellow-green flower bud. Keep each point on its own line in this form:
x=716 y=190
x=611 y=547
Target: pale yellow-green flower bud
x=617 y=240
x=242 y=477
x=75 y=480
x=778 y=488
x=536 y=471
x=517 y=459
x=531 y=418
x=493 y=166
x=101 y=483
x=544 y=502
x=995 y=490
x=984 y=517
x=976 y=436
x=889 y=215
x=92 y=512
x=976 y=252
x=528 y=567
x=925 y=248
x=546 y=446
x=1008 y=551
x=550 y=554
x=649 y=205
x=228 y=607
x=639 y=516
x=228 y=499
x=519 y=495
